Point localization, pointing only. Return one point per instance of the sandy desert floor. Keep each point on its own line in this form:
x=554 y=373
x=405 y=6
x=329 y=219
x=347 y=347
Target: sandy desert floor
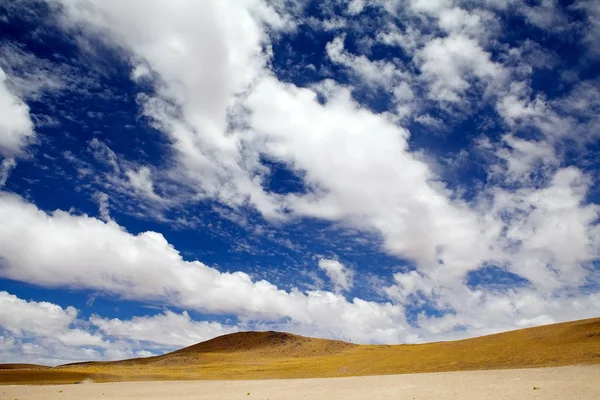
x=574 y=382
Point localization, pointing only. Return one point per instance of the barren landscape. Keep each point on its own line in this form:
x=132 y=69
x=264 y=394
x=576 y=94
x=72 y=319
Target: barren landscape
x=564 y=383
x=513 y=360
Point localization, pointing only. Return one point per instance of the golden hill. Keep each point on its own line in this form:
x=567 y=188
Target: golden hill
x=263 y=355
x=267 y=343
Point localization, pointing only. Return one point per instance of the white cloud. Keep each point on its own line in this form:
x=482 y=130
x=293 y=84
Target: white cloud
x=376 y=183
x=556 y=120
x=340 y=275
x=524 y=158
x=5 y=168
x=448 y=63
x=364 y=172
x=18 y=316
x=203 y=55
x=43 y=332
x=549 y=240
x=485 y=312
x=551 y=231
x=356 y=6
x=428 y=120
x=377 y=75
x=141 y=181
x=592 y=30
x=110 y=339
x=545 y=15
x=105 y=155
x=474 y=22
x=85 y=252
x=45 y=351
x=406 y=284
x=24 y=77
x=408 y=39
x=103 y=206
x=583 y=100
x=513 y=108
x=125 y=177
x=16 y=128
x=448 y=239
x=31 y=76
x=371 y=151
x=168 y=329
x=431 y=7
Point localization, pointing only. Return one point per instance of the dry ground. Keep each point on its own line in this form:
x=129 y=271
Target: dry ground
x=267 y=355
x=564 y=383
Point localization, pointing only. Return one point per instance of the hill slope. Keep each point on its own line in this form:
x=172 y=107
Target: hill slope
x=21 y=366
x=261 y=355
x=268 y=343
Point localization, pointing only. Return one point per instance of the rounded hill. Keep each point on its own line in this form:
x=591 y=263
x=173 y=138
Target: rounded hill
x=273 y=343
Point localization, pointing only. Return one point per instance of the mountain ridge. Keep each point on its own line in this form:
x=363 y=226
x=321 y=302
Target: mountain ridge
x=264 y=355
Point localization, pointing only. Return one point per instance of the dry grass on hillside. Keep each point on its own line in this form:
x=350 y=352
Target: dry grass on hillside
x=21 y=366
x=263 y=355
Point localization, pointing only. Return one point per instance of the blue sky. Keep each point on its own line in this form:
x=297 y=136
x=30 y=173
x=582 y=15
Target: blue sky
x=372 y=171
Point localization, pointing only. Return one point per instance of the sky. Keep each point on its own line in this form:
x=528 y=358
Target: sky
x=373 y=171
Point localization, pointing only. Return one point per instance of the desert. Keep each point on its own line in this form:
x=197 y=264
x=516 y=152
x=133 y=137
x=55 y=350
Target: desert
x=564 y=383
x=559 y=361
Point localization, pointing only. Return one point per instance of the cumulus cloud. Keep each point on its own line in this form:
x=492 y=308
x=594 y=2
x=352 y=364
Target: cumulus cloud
x=69 y=339
x=377 y=75
x=551 y=232
x=103 y=256
x=338 y=273
x=46 y=333
x=18 y=316
x=38 y=329
x=197 y=80
x=592 y=30
x=16 y=127
x=356 y=6
x=352 y=155
x=168 y=329
x=85 y=252
x=408 y=40
x=370 y=150
x=449 y=63
x=524 y=158
x=549 y=240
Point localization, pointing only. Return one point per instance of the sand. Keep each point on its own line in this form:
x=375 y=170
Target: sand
x=573 y=382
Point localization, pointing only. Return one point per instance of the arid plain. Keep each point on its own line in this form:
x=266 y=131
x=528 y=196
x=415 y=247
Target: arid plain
x=553 y=361
x=560 y=383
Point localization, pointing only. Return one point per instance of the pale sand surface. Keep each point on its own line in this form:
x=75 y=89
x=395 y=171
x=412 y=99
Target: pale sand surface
x=565 y=383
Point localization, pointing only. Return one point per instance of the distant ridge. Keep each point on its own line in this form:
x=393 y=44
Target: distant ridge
x=21 y=366
x=264 y=355
x=274 y=343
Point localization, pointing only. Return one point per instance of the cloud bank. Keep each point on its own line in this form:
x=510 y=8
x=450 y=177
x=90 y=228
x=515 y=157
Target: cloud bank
x=497 y=230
